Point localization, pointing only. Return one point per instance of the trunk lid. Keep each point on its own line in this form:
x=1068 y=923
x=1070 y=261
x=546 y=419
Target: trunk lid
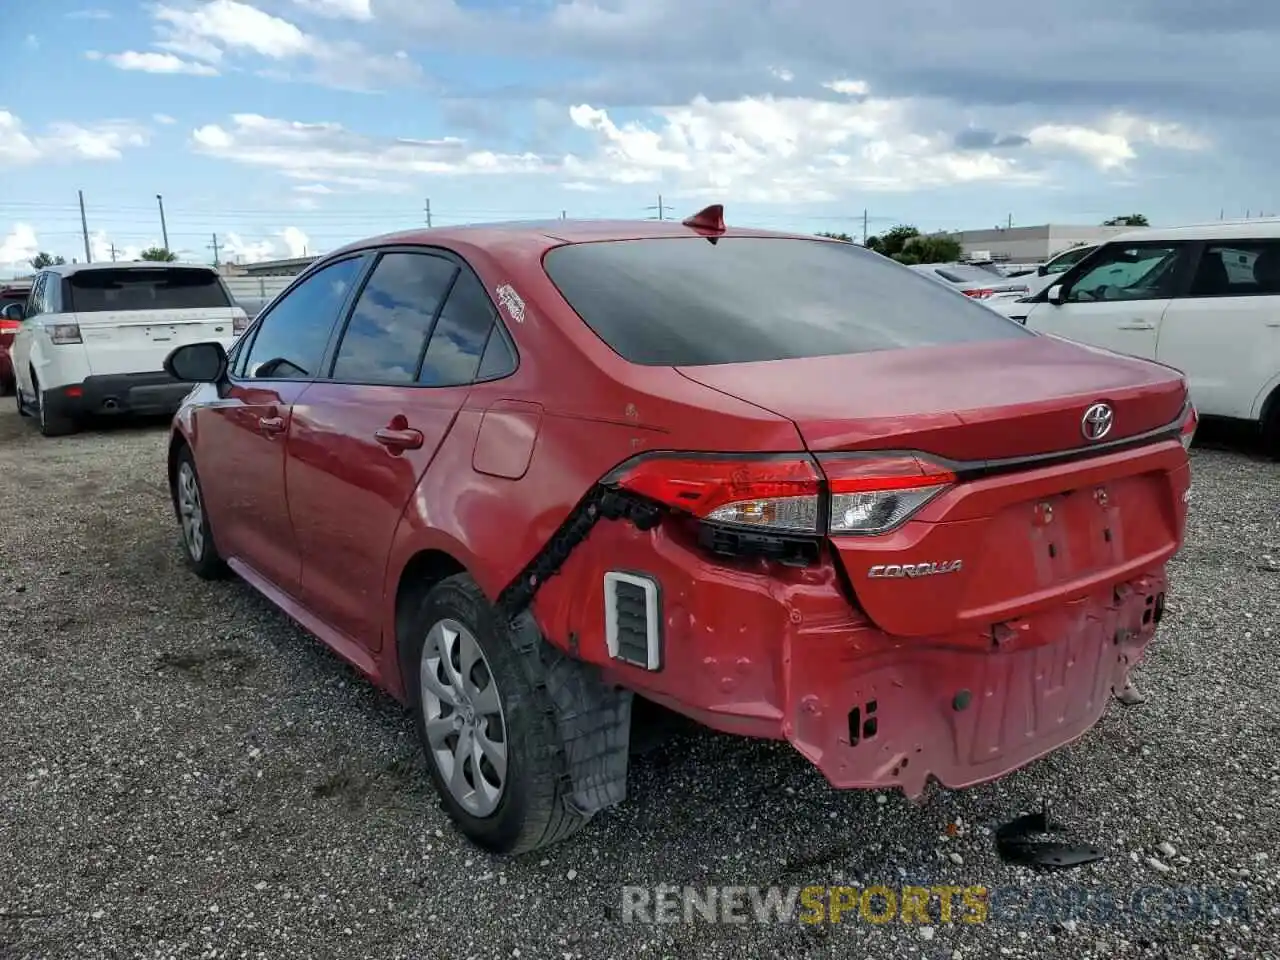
x=974 y=401
x=137 y=341
x=990 y=549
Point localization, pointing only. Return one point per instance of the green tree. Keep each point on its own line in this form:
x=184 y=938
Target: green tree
x=937 y=248
x=837 y=236
x=1127 y=220
x=891 y=242
x=42 y=260
x=158 y=253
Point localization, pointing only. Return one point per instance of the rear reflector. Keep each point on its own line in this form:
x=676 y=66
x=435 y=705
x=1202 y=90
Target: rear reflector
x=866 y=494
x=1189 y=425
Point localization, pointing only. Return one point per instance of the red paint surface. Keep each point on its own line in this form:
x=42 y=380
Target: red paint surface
x=325 y=519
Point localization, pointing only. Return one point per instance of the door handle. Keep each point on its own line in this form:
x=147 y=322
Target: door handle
x=1137 y=325
x=398 y=440
x=271 y=425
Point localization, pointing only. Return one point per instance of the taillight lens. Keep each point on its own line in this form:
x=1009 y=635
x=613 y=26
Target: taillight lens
x=65 y=333
x=876 y=494
x=239 y=323
x=1189 y=427
x=10 y=326
x=867 y=494
x=779 y=494
x=980 y=294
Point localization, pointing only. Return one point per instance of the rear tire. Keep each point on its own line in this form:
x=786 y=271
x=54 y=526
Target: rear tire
x=198 y=547
x=1271 y=430
x=51 y=424
x=486 y=722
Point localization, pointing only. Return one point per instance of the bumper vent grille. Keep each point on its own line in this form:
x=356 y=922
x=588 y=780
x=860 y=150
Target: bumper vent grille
x=633 y=619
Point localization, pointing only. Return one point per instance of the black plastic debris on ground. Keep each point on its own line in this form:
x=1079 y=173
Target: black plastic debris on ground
x=1021 y=842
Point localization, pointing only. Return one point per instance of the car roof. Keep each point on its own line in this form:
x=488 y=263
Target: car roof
x=67 y=269
x=535 y=235
x=1258 y=228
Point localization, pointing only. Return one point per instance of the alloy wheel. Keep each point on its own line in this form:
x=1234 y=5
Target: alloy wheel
x=191 y=511
x=462 y=711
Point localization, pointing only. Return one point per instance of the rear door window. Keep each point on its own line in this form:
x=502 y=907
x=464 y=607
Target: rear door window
x=690 y=301
x=1237 y=268
x=162 y=288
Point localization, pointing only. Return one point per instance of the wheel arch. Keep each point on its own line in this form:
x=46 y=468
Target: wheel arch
x=419 y=574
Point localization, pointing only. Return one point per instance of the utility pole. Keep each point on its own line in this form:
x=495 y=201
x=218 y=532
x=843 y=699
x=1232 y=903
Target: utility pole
x=1010 y=224
x=84 y=228
x=164 y=230
x=864 y=226
x=562 y=214
x=214 y=245
x=660 y=208
x=428 y=213
x=113 y=253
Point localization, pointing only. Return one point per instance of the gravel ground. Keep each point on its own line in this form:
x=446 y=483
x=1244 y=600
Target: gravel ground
x=184 y=773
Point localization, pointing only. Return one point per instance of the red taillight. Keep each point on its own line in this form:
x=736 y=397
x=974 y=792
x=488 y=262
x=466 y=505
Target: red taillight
x=876 y=494
x=10 y=326
x=867 y=494
x=1189 y=425
x=774 y=493
x=980 y=294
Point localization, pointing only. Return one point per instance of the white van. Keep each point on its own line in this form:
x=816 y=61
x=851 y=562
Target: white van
x=94 y=337
x=1203 y=299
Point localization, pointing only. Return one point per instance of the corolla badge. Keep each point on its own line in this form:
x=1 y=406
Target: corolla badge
x=894 y=570
x=1097 y=421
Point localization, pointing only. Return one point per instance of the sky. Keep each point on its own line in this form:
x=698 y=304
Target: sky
x=289 y=127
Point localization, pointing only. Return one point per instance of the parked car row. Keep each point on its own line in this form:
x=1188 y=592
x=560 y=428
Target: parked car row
x=974 y=281
x=1202 y=299
x=777 y=483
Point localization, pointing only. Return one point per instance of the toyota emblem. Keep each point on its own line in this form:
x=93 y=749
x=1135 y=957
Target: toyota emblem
x=1097 y=421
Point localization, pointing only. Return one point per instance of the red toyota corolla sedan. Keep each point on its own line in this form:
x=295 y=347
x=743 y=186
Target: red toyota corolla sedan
x=518 y=473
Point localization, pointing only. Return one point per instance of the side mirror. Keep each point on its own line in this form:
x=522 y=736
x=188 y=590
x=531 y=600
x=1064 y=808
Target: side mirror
x=1055 y=295
x=14 y=312
x=197 y=363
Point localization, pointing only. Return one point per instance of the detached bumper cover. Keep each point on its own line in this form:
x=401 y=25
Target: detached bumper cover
x=967 y=715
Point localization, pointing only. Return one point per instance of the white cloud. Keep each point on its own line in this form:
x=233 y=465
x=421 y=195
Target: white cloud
x=89 y=15
x=19 y=246
x=288 y=242
x=1110 y=145
x=783 y=74
x=163 y=118
x=151 y=62
x=791 y=149
x=233 y=25
x=101 y=247
x=104 y=140
x=331 y=153
x=338 y=9
x=295 y=241
x=215 y=30
x=318 y=188
x=852 y=88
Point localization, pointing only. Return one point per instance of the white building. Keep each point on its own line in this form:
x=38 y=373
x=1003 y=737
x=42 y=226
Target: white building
x=1031 y=244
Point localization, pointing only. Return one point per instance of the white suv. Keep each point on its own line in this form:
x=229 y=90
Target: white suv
x=94 y=337
x=1204 y=299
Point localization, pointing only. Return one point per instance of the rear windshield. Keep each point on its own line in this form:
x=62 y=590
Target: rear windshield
x=687 y=301
x=163 y=288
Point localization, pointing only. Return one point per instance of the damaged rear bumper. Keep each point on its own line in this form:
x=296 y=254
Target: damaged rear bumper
x=974 y=709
